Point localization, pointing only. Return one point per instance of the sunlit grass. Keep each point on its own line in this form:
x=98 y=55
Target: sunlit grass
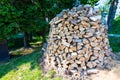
x=25 y=67
x=21 y=68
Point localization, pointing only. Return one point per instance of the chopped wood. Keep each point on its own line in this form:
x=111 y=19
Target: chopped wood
x=76 y=28
x=66 y=50
x=92 y=71
x=93 y=23
x=58 y=21
x=62 y=47
x=95 y=18
x=89 y=65
x=65 y=43
x=73 y=48
x=78 y=43
x=77 y=40
x=85 y=24
x=73 y=55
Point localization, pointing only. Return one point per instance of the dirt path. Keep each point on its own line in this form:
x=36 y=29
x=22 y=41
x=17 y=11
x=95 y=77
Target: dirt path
x=113 y=74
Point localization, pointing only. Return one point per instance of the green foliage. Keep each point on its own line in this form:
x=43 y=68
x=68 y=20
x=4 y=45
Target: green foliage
x=8 y=19
x=115 y=43
x=91 y=2
x=30 y=15
x=116 y=26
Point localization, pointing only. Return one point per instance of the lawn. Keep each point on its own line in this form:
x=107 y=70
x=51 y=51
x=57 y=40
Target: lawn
x=24 y=67
x=21 y=68
x=115 y=43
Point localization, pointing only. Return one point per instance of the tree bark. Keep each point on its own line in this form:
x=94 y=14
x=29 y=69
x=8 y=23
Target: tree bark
x=26 y=40
x=43 y=34
x=111 y=14
x=4 y=53
x=30 y=36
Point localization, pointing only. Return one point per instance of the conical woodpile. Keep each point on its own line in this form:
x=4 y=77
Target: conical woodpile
x=78 y=43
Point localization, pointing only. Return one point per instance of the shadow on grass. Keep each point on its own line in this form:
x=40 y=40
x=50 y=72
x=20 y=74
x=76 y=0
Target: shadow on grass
x=16 y=61
x=115 y=43
x=15 y=56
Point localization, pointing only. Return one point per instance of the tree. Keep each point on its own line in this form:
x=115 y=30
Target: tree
x=112 y=12
x=91 y=2
x=8 y=25
x=8 y=19
x=29 y=16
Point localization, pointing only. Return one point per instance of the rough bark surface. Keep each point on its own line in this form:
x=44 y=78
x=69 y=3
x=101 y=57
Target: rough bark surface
x=26 y=40
x=4 y=53
x=112 y=12
x=78 y=44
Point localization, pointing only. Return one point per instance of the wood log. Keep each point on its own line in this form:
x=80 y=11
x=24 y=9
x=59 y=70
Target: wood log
x=93 y=58
x=75 y=27
x=62 y=47
x=92 y=71
x=77 y=62
x=89 y=65
x=85 y=41
x=60 y=25
x=79 y=46
x=82 y=59
x=74 y=65
x=73 y=55
x=65 y=66
x=65 y=43
x=66 y=50
x=73 y=48
x=80 y=52
x=84 y=18
x=65 y=16
x=69 y=39
x=81 y=28
x=58 y=21
x=70 y=50
x=87 y=57
x=95 y=26
x=93 y=23
x=95 y=18
x=85 y=24
x=68 y=56
x=77 y=40
x=76 y=74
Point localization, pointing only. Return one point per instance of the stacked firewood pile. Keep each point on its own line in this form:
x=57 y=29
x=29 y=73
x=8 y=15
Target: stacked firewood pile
x=78 y=43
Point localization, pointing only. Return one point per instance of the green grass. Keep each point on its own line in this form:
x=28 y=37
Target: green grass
x=24 y=68
x=21 y=68
x=115 y=43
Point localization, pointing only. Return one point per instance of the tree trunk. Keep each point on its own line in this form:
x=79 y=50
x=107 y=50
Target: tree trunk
x=112 y=12
x=4 y=54
x=44 y=39
x=30 y=36
x=26 y=40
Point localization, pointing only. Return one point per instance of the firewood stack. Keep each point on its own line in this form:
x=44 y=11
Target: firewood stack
x=78 y=43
